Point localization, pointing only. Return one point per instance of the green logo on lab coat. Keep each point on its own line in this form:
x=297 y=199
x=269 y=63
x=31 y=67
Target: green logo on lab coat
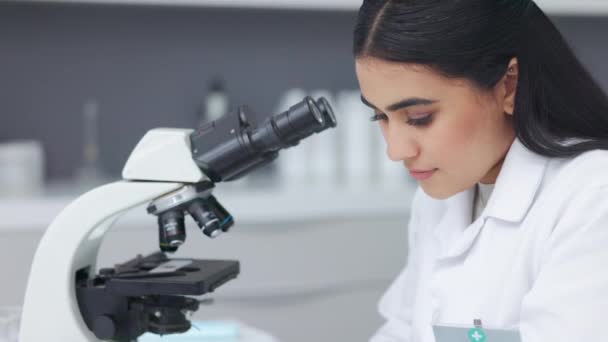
x=476 y=335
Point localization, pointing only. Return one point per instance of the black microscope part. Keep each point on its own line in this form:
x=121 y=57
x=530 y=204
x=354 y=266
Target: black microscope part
x=171 y=230
x=210 y=216
x=233 y=145
x=225 y=218
x=124 y=302
x=167 y=313
x=204 y=217
x=327 y=111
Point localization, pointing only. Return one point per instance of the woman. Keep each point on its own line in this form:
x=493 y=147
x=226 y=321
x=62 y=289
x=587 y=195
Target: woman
x=487 y=107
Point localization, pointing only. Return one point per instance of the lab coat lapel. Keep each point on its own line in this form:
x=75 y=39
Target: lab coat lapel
x=513 y=194
x=454 y=232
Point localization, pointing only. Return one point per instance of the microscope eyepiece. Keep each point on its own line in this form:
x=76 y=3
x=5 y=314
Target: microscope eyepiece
x=300 y=121
x=328 y=112
x=233 y=145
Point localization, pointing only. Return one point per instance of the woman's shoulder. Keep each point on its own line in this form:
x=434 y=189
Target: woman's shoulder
x=587 y=169
x=573 y=199
x=570 y=180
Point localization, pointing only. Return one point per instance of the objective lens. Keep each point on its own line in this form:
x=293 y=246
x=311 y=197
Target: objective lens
x=224 y=217
x=205 y=218
x=171 y=230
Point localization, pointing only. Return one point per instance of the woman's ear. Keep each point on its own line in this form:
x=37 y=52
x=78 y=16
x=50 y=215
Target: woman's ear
x=508 y=87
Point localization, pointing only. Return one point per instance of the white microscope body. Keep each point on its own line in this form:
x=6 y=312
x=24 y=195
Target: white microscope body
x=172 y=170
x=161 y=163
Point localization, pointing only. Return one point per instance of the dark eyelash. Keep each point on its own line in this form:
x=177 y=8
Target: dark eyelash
x=414 y=122
x=377 y=117
x=424 y=121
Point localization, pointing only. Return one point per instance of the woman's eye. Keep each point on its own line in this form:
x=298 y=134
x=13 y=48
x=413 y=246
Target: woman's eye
x=420 y=121
x=378 y=117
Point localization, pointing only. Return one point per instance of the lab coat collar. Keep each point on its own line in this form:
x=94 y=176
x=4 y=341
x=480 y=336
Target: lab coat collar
x=517 y=183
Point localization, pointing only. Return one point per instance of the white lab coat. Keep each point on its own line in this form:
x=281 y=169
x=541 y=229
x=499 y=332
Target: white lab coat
x=536 y=259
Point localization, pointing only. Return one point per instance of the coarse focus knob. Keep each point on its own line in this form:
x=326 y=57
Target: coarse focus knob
x=104 y=327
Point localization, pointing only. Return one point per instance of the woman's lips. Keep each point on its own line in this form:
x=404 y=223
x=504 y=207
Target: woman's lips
x=422 y=175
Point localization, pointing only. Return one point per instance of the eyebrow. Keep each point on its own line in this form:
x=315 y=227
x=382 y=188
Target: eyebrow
x=410 y=102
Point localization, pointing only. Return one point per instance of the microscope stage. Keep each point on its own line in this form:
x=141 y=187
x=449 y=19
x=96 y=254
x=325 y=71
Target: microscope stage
x=157 y=274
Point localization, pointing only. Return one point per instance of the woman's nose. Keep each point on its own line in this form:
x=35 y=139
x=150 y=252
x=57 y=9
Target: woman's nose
x=399 y=147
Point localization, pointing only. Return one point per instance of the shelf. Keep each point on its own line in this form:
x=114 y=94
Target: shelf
x=570 y=7
x=554 y=7
x=249 y=206
x=349 y=5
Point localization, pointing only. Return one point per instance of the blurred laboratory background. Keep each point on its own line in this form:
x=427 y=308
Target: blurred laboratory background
x=320 y=233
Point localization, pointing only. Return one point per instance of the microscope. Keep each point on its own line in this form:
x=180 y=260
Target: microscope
x=174 y=172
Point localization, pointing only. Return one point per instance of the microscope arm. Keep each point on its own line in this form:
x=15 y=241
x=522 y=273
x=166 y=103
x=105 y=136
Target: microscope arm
x=71 y=244
x=160 y=163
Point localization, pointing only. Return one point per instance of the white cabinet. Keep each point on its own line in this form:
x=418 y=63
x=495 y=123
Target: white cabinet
x=557 y=7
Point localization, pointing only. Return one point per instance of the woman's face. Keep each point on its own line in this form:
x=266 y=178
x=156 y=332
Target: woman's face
x=430 y=122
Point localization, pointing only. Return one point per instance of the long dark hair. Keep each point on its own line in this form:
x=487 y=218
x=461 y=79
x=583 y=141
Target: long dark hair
x=560 y=110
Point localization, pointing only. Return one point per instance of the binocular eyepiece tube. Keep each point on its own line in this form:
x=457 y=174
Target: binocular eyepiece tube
x=300 y=121
x=233 y=145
